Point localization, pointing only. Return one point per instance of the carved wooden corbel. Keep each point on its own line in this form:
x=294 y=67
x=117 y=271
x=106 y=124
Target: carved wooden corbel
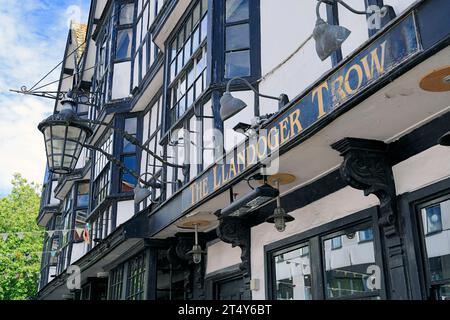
x=235 y=231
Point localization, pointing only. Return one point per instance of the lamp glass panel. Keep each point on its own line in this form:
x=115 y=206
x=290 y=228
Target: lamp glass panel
x=73 y=133
x=58 y=132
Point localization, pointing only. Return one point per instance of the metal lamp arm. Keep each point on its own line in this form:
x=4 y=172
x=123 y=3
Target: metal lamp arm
x=251 y=87
x=135 y=142
x=118 y=163
x=331 y=2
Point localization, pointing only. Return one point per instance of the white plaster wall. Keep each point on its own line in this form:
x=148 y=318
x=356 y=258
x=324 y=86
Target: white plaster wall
x=221 y=255
x=78 y=250
x=121 y=80
x=125 y=210
x=334 y=206
x=423 y=169
x=399 y=5
x=356 y=23
x=283 y=29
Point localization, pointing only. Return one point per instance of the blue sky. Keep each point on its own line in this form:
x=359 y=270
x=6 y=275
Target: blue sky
x=33 y=34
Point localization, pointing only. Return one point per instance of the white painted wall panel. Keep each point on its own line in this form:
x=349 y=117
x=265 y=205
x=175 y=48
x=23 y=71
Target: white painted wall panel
x=121 y=80
x=399 y=5
x=125 y=210
x=423 y=169
x=283 y=29
x=334 y=206
x=221 y=255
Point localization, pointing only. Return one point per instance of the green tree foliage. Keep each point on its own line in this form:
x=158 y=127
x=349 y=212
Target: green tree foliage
x=19 y=255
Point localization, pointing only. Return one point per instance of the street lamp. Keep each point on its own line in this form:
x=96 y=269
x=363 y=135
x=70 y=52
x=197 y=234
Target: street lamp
x=65 y=134
x=64 y=138
x=230 y=105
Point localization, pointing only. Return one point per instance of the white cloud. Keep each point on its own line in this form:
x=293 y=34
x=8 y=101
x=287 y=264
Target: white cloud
x=33 y=35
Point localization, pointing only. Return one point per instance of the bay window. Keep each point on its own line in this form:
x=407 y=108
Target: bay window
x=128 y=156
x=146 y=52
x=152 y=134
x=187 y=57
x=102 y=172
x=121 y=87
x=237 y=39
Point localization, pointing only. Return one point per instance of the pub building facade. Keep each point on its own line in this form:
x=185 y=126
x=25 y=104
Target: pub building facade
x=338 y=190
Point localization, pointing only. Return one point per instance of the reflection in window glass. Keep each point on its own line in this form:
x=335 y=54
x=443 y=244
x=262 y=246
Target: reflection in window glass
x=293 y=275
x=236 y=10
x=366 y=235
x=128 y=180
x=346 y=268
x=238 y=37
x=434 y=220
x=126 y=14
x=436 y=229
x=123 y=48
x=83 y=195
x=237 y=64
x=336 y=243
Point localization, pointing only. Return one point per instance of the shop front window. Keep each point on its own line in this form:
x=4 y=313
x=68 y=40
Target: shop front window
x=343 y=264
x=348 y=269
x=293 y=275
x=435 y=218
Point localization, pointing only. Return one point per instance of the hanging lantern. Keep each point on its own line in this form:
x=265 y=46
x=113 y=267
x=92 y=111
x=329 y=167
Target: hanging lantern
x=64 y=134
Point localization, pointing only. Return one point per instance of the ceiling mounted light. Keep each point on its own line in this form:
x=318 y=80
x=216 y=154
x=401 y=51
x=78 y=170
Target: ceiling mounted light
x=280 y=217
x=250 y=201
x=437 y=81
x=196 y=252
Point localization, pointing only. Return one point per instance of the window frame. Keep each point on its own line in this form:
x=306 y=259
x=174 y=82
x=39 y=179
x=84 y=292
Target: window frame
x=314 y=238
x=427 y=202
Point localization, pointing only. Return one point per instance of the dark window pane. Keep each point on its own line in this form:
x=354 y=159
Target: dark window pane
x=346 y=263
x=123 y=48
x=293 y=275
x=366 y=235
x=434 y=220
x=128 y=181
x=236 y=10
x=237 y=64
x=336 y=243
x=238 y=37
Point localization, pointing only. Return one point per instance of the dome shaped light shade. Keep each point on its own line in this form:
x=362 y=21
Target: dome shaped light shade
x=140 y=194
x=230 y=106
x=64 y=137
x=445 y=140
x=329 y=38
